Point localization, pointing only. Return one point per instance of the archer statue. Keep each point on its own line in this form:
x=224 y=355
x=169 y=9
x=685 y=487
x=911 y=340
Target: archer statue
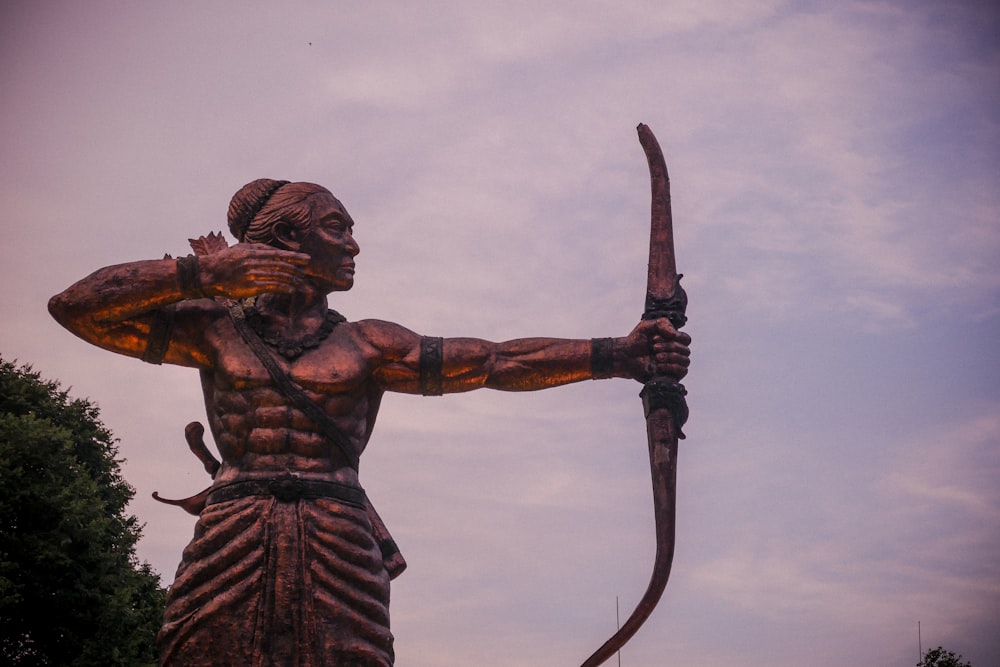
x=289 y=563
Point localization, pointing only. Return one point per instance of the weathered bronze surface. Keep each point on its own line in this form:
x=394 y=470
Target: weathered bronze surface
x=290 y=564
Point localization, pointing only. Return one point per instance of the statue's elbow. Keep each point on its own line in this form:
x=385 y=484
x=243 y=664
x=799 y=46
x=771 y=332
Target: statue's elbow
x=62 y=310
x=57 y=307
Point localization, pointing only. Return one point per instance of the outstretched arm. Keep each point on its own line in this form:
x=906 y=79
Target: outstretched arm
x=118 y=306
x=527 y=364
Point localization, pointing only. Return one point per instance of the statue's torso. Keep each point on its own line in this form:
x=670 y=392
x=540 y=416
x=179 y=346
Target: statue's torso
x=258 y=430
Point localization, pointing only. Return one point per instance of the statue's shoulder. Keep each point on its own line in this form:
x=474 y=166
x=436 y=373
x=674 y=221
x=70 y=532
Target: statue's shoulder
x=385 y=336
x=380 y=327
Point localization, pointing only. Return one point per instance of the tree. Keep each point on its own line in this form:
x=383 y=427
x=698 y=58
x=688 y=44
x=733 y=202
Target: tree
x=938 y=657
x=72 y=591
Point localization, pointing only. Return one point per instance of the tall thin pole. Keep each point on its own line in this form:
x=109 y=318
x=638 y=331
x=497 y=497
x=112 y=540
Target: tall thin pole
x=618 y=623
x=920 y=644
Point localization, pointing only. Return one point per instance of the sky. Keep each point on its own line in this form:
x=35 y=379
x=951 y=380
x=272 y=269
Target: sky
x=834 y=171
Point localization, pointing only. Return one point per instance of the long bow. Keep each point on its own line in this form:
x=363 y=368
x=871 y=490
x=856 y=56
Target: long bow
x=662 y=397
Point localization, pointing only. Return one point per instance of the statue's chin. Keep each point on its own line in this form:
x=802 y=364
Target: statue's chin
x=341 y=286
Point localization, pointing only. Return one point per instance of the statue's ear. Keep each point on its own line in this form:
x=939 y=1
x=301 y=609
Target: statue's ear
x=284 y=236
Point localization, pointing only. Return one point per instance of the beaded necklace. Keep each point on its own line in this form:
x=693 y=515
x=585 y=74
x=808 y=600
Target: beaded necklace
x=292 y=348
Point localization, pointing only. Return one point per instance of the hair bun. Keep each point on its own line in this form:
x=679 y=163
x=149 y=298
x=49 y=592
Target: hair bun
x=248 y=202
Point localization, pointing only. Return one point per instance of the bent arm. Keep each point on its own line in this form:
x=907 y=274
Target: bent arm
x=117 y=307
x=160 y=306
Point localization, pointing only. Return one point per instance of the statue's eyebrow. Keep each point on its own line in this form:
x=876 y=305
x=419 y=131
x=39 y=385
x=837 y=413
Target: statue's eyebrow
x=339 y=216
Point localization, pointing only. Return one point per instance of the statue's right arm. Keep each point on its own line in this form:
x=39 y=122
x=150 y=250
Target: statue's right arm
x=131 y=308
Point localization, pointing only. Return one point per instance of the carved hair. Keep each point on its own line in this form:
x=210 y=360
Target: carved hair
x=259 y=205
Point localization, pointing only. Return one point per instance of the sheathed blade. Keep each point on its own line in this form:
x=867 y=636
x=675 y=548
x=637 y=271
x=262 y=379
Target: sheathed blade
x=664 y=296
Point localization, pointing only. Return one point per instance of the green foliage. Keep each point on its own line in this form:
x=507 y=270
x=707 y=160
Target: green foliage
x=938 y=657
x=71 y=589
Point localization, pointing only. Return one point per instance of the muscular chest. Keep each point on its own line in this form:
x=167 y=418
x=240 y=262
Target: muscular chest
x=337 y=366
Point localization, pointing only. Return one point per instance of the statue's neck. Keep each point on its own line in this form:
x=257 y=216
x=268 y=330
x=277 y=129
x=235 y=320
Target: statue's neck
x=292 y=311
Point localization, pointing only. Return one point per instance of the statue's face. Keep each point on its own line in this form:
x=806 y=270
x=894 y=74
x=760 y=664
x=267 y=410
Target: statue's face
x=330 y=244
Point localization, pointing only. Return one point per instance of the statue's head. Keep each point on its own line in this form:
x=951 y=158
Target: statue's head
x=260 y=205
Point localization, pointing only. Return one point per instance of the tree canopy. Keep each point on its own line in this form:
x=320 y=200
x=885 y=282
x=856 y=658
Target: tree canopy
x=938 y=657
x=72 y=591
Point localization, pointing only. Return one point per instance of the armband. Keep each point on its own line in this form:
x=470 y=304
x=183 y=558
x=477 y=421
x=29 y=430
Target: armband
x=160 y=330
x=431 y=364
x=602 y=358
x=189 y=278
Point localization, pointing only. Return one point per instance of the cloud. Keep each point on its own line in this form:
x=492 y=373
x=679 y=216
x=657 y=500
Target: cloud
x=954 y=469
x=925 y=513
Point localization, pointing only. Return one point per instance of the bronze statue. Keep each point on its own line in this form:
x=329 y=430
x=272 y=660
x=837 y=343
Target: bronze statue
x=289 y=564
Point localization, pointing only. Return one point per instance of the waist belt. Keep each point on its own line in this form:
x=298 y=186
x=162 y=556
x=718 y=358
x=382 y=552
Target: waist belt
x=289 y=490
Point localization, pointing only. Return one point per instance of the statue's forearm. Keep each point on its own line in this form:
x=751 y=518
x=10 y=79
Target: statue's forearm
x=525 y=364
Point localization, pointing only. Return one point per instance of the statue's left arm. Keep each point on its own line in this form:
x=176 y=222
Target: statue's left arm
x=415 y=364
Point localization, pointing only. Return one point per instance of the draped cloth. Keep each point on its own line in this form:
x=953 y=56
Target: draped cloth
x=266 y=583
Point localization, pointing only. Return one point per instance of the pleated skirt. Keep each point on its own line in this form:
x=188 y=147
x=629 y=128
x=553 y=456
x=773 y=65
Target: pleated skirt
x=266 y=583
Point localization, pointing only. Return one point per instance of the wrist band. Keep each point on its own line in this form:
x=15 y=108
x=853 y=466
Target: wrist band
x=188 y=277
x=602 y=358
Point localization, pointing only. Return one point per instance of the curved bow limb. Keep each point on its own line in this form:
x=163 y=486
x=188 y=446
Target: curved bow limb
x=662 y=435
x=662 y=398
